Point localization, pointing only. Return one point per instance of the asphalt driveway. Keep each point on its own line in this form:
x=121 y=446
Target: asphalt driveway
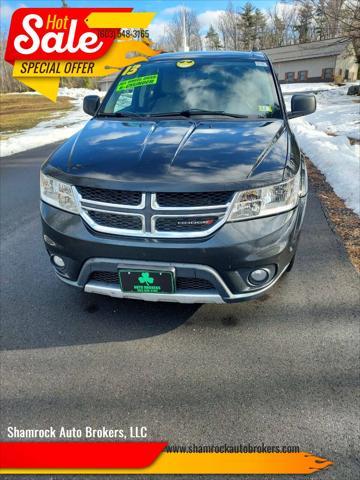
x=279 y=370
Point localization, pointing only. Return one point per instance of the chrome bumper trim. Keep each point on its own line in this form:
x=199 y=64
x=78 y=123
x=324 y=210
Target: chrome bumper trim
x=111 y=291
x=184 y=297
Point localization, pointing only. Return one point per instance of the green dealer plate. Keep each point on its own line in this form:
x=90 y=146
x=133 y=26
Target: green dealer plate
x=147 y=281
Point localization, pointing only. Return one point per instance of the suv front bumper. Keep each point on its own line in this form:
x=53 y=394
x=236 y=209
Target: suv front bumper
x=224 y=259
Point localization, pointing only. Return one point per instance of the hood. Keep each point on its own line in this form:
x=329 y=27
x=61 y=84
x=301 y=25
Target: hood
x=173 y=154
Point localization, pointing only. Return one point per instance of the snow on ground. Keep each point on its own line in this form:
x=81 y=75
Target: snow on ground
x=52 y=130
x=336 y=114
x=324 y=138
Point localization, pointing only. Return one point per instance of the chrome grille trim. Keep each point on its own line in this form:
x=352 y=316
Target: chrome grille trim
x=105 y=229
x=151 y=214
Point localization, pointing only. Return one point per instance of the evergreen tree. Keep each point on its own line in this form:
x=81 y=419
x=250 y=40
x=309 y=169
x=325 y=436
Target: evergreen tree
x=260 y=29
x=212 y=39
x=247 y=26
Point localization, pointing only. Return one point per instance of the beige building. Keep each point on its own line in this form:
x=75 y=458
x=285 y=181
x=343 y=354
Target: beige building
x=320 y=61
x=104 y=83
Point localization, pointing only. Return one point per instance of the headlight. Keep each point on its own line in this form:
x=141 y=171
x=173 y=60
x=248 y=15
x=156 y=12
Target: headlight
x=58 y=194
x=265 y=201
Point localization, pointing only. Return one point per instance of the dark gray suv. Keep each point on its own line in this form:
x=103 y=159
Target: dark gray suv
x=186 y=185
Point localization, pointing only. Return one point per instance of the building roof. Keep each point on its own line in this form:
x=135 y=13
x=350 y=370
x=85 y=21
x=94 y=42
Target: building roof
x=320 y=48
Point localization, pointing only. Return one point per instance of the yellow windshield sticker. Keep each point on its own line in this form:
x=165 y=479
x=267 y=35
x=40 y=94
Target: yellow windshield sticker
x=137 y=82
x=185 y=63
x=131 y=69
x=265 y=108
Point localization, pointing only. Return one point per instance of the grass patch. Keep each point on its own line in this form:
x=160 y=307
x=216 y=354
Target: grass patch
x=20 y=112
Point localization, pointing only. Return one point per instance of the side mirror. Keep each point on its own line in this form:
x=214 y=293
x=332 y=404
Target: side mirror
x=91 y=104
x=301 y=105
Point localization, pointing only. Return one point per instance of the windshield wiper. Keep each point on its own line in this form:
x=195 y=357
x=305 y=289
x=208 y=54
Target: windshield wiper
x=184 y=113
x=165 y=114
x=197 y=111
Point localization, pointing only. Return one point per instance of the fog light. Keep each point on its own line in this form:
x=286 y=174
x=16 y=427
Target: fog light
x=49 y=241
x=59 y=262
x=258 y=276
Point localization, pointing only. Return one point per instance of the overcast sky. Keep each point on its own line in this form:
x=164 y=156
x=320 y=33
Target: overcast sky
x=206 y=10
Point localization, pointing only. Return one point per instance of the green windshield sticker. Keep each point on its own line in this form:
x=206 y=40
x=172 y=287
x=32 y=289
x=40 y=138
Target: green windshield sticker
x=137 y=82
x=265 y=108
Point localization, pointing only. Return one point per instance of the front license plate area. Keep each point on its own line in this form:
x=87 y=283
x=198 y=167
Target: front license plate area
x=146 y=281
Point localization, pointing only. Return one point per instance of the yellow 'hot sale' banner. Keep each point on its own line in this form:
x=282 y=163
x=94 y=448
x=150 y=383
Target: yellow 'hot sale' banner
x=31 y=74
x=43 y=75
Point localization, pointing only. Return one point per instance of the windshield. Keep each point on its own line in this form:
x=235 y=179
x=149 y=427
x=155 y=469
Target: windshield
x=195 y=86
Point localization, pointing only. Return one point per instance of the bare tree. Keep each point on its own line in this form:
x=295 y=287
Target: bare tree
x=7 y=82
x=174 y=36
x=281 y=25
x=305 y=23
x=228 y=25
x=277 y=29
x=337 y=18
x=333 y=14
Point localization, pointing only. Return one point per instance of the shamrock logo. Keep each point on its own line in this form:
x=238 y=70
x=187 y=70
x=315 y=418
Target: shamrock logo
x=145 y=278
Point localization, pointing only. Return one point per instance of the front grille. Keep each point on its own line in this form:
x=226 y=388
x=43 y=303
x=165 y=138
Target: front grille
x=182 y=283
x=185 y=224
x=106 y=277
x=162 y=215
x=120 y=197
x=192 y=199
x=113 y=220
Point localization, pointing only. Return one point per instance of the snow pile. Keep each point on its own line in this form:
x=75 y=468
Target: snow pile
x=324 y=138
x=57 y=128
x=337 y=113
x=336 y=158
